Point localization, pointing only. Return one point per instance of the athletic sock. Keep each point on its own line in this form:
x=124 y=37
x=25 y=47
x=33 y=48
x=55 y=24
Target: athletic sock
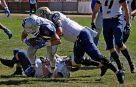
x=115 y=56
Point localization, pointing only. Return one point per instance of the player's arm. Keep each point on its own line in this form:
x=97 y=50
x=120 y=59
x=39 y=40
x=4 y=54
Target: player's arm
x=59 y=29
x=125 y=8
x=57 y=21
x=133 y=13
x=3 y=3
x=55 y=40
x=24 y=35
x=95 y=11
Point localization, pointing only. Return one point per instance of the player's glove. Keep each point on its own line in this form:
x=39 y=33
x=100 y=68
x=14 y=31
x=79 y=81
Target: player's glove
x=93 y=26
x=8 y=32
x=27 y=42
x=127 y=29
x=7 y=11
x=42 y=43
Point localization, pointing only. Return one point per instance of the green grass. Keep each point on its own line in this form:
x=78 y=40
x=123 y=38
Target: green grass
x=81 y=78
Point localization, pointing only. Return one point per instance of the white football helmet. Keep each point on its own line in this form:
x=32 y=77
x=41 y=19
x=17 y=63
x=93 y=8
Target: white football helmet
x=61 y=70
x=43 y=12
x=31 y=24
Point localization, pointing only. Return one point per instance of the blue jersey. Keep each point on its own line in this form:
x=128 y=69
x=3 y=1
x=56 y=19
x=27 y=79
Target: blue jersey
x=47 y=30
x=93 y=2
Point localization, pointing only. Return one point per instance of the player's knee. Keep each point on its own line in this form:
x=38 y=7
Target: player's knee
x=119 y=45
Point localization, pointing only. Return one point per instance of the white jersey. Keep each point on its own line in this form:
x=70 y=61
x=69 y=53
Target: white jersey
x=38 y=68
x=71 y=29
x=110 y=8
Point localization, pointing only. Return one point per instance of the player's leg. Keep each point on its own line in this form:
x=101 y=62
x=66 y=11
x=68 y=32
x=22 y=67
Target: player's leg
x=108 y=37
x=51 y=51
x=31 y=52
x=30 y=9
x=119 y=41
x=6 y=30
x=87 y=45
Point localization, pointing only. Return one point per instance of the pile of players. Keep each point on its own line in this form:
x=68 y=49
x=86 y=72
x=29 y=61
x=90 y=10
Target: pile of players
x=48 y=27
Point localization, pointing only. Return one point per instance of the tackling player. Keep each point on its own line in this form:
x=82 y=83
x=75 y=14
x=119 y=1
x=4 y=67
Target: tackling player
x=82 y=37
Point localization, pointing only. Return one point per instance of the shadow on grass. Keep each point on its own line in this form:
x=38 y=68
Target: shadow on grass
x=13 y=82
x=67 y=80
x=10 y=76
x=88 y=68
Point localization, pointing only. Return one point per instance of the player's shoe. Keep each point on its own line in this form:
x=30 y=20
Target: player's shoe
x=121 y=76
x=103 y=70
x=7 y=62
x=18 y=71
x=132 y=68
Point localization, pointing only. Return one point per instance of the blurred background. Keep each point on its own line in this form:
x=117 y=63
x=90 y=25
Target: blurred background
x=64 y=6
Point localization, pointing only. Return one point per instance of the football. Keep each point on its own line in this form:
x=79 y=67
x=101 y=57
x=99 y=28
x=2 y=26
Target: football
x=34 y=41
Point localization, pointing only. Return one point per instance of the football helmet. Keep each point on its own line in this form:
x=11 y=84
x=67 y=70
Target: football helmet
x=31 y=24
x=43 y=12
x=61 y=70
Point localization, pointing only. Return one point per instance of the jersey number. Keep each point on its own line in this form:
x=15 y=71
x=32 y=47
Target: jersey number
x=109 y=5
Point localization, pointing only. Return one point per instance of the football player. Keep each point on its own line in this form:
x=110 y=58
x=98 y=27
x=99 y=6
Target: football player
x=7 y=12
x=112 y=27
x=81 y=36
x=42 y=29
x=41 y=68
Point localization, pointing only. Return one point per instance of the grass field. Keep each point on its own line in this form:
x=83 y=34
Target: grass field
x=82 y=78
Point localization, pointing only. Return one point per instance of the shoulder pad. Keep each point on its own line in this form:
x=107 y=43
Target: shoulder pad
x=55 y=17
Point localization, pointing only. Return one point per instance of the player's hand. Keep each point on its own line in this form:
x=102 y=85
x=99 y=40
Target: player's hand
x=40 y=44
x=27 y=42
x=127 y=28
x=8 y=32
x=7 y=12
x=93 y=26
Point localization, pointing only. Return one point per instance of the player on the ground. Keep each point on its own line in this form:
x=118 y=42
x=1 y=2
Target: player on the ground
x=82 y=37
x=98 y=23
x=41 y=68
x=113 y=29
x=7 y=12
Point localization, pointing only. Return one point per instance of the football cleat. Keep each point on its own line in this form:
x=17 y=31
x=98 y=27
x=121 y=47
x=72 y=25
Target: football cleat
x=103 y=70
x=7 y=62
x=132 y=68
x=17 y=72
x=121 y=76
